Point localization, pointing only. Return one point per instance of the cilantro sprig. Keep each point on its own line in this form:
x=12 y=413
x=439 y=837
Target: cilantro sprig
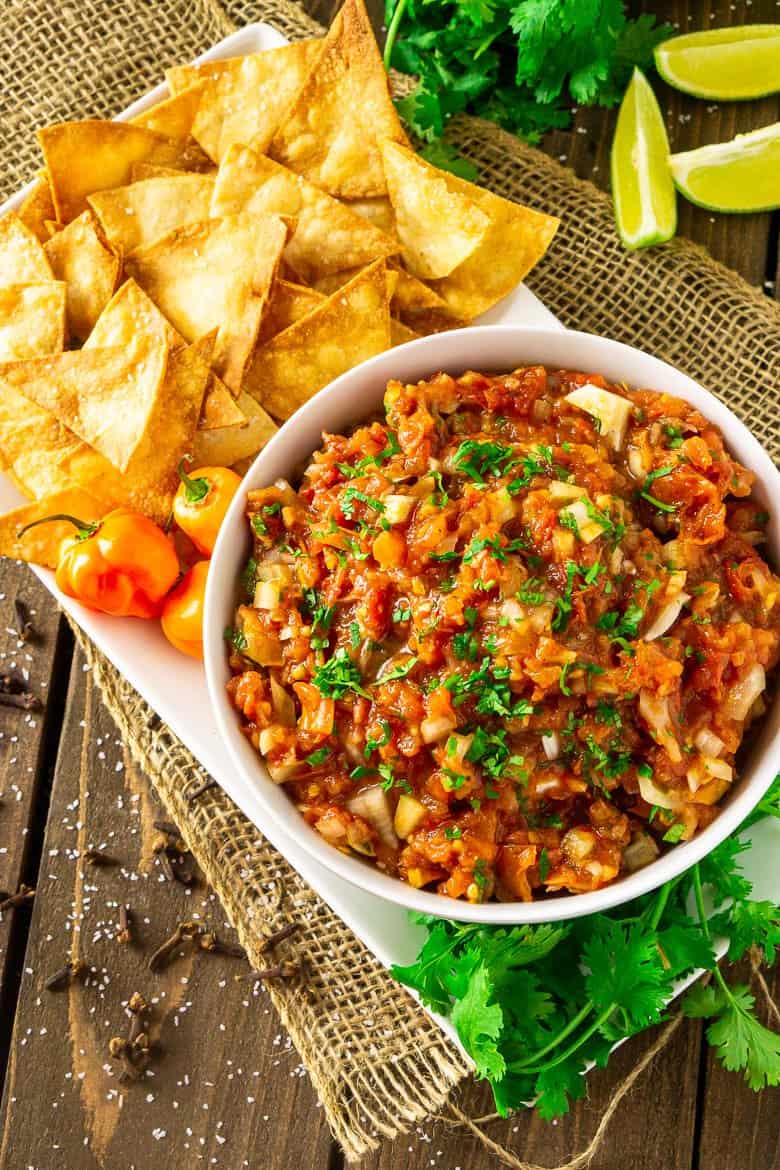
x=535 y=1005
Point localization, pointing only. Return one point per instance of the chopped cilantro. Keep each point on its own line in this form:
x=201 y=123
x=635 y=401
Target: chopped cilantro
x=401 y=612
x=480 y=460
x=673 y=834
x=401 y=670
x=337 y=676
x=544 y=865
x=318 y=757
x=236 y=637
x=373 y=744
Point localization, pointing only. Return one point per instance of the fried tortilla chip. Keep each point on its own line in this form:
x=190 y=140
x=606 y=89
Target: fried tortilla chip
x=142 y=170
x=377 y=211
x=343 y=109
x=515 y=241
x=105 y=396
x=400 y=333
x=38 y=207
x=90 y=270
x=174 y=116
x=288 y=303
x=22 y=258
x=215 y=275
x=347 y=328
x=246 y=101
x=43 y=456
x=227 y=446
x=85 y=157
x=32 y=320
x=438 y=226
x=328 y=236
x=144 y=211
x=41 y=545
x=415 y=303
x=220 y=408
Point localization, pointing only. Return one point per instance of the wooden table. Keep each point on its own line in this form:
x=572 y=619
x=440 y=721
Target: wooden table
x=230 y=1091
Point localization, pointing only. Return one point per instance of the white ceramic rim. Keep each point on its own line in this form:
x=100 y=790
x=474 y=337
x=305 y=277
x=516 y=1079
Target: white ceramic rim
x=484 y=347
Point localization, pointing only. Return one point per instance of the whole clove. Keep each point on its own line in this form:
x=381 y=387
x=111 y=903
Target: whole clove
x=124 y=932
x=22 y=621
x=204 y=786
x=74 y=969
x=99 y=857
x=164 y=862
x=168 y=828
x=272 y=940
x=25 y=700
x=285 y=970
x=22 y=895
x=132 y=1068
x=183 y=867
x=208 y=941
x=164 y=953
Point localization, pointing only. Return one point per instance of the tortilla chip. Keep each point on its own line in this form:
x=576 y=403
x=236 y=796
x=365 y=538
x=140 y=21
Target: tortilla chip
x=400 y=333
x=328 y=237
x=439 y=227
x=131 y=312
x=43 y=456
x=515 y=241
x=343 y=109
x=142 y=170
x=144 y=211
x=289 y=302
x=347 y=328
x=32 y=320
x=214 y=275
x=22 y=258
x=220 y=408
x=226 y=446
x=378 y=211
x=89 y=269
x=38 y=207
x=105 y=396
x=174 y=116
x=415 y=303
x=85 y=157
x=246 y=101
x=41 y=545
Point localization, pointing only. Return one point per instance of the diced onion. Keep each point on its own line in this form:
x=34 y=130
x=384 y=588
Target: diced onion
x=587 y=529
x=502 y=506
x=397 y=508
x=745 y=692
x=706 y=769
x=708 y=743
x=283 y=705
x=612 y=411
x=268 y=595
x=409 y=813
x=551 y=742
x=436 y=727
x=653 y=794
x=372 y=805
x=565 y=491
x=666 y=618
x=636 y=463
x=655 y=712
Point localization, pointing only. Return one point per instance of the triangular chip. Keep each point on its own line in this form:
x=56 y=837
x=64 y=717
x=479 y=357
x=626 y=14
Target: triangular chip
x=289 y=302
x=347 y=328
x=144 y=211
x=438 y=226
x=131 y=313
x=89 y=156
x=328 y=236
x=226 y=446
x=142 y=170
x=174 y=116
x=377 y=211
x=90 y=270
x=344 y=108
x=43 y=456
x=247 y=99
x=32 y=320
x=400 y=333
x=215 y=275
x=515 y=241
x=22 y=258
x=414 y=302
x=38 y=207
x=42 y=544
x=105 y=396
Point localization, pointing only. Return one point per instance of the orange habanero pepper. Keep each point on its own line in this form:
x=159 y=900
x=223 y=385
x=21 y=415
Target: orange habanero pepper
x=201 y=502
x=123 y=565
x=182 y=615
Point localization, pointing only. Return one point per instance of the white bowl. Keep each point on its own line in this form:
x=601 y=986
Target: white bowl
x=346 y=402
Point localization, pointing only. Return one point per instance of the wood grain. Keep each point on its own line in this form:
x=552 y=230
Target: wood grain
x=227 y=1089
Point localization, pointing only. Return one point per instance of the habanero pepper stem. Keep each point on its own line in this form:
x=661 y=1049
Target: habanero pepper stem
x=122 y=565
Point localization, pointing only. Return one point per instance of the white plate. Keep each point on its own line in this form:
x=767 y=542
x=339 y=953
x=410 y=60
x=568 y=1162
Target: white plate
x=175 y=686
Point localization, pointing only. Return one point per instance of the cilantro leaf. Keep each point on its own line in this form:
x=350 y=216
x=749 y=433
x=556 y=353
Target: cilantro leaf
x=556 y=1087
x=742 y=1043
x=625 y=970
x=479 y=1022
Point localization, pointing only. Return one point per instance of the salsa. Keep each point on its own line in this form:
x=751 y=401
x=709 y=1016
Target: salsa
x=505 y=640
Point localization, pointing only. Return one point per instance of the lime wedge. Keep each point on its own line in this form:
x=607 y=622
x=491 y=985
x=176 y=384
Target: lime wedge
x=642 y=188
x=727 y=64
x=740 y=175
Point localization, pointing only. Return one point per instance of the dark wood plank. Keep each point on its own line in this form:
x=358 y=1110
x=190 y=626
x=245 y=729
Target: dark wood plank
x=227 y=1089
x=23 y=759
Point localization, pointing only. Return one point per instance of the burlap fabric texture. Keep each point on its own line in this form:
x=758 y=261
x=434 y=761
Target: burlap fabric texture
x=377 y=1062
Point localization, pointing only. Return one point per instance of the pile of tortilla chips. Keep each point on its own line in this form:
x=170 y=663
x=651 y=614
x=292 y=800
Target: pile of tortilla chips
x=173 y=285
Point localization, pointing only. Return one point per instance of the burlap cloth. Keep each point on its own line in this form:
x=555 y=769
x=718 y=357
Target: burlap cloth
x=377 y=1062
